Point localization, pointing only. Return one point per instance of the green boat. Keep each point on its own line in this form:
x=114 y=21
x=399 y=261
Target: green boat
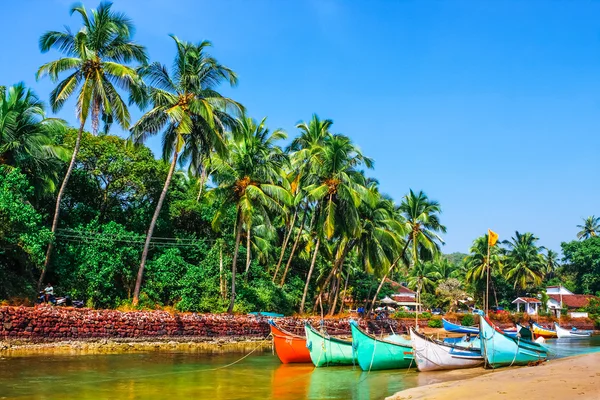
x=373 y=353
x=325 y=350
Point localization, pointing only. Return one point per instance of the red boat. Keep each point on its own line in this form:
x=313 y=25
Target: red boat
x=290 y=348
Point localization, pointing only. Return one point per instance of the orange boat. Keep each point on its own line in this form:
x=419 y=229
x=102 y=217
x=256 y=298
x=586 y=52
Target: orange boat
x=290 y=348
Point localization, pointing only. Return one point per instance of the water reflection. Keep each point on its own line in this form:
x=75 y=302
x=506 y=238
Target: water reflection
x=196 y=375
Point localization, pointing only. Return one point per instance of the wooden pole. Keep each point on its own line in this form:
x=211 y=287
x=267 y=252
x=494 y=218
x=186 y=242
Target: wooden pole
x=487 y=288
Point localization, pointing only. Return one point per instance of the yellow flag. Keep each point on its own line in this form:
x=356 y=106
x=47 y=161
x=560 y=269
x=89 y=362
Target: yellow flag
x=492 y=237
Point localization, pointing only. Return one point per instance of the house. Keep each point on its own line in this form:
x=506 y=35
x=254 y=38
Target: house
x=561 y=297
x=402 y=295
x=531 y=305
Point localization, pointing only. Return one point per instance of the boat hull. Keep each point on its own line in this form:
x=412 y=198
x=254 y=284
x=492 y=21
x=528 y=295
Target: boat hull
x=327 y=351
x=454 y=328
x=431 y=355
x=501 y=350
x=289 y=348
x=543 y=332
x=563 y=333
x=375 y=354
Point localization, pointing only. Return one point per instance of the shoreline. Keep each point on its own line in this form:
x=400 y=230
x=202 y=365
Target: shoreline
x=20 y=348
x=577 y=376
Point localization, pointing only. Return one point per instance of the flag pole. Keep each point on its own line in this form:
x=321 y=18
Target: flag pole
x=487 y=287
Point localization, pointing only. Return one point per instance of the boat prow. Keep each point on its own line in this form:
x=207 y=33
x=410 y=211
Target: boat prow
x=432 y=355
x=289 y=347
x=500 y=349
x=539 y=330
x=374 y=354
x=326 y=350
x=563 y=333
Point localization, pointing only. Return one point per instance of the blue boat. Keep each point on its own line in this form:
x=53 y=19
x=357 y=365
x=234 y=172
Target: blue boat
x=500 y=350
x=454 y=328
x=266 y=314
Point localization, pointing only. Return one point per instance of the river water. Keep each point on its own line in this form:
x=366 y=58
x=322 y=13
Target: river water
x=179 y=375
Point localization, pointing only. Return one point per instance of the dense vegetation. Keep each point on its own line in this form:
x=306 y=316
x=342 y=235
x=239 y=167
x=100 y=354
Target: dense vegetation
x=230 y=218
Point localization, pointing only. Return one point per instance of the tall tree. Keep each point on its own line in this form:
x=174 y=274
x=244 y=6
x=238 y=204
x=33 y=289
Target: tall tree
x=590 y=228
x=192 y=113
x=339 y=188
x=525 y=264
x=249 y=179
x=95 y=58
x=422 y=224
x=28 y=138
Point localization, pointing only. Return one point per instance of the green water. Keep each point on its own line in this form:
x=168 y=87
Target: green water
x=178 y=375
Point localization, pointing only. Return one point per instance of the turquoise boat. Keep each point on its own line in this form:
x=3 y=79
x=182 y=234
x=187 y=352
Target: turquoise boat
x=325 y=350
x=500 y=350
x=373 y=354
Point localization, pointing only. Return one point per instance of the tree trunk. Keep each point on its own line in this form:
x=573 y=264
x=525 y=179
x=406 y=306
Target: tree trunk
x=95 y=117
x=161 y=199
x=61 y=192
x=339 y=262
x=284 y=244
x=238 y=238
x=344 y=292
x=381 y=285
x=222 y=284
x=296 y=241
x=335 y=298
x=310 y=271
x=203 y=176
x=248 y=251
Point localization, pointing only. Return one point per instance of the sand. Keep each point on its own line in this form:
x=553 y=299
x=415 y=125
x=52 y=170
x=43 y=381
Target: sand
x=565 y=379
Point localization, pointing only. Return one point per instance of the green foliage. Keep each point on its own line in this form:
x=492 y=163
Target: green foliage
x=582 y=260
x=467 y=320
x=435 y=323
x=22 y=236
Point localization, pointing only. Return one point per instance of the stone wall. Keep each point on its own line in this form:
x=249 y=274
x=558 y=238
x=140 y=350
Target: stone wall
x=48 y=323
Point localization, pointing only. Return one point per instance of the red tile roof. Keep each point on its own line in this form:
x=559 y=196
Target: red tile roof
x=528 y=299
x=398 y=287
x=573 y=300
x=404 y=299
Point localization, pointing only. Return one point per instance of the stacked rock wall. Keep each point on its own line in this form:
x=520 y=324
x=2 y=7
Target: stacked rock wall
x=47 y=323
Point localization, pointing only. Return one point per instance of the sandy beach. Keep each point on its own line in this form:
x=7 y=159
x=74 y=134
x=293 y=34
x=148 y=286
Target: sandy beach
x=568 y=378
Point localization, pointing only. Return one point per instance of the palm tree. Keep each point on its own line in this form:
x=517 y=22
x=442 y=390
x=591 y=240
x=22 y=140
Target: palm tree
x=525 y=263
x=96 y=58
x=339 y=189
x=476 y=261
x=192 y=113
x=422 y=224
x=305 y=152
x=248 y=178
x=27 y=137
x=590 y=228
x=551 y=263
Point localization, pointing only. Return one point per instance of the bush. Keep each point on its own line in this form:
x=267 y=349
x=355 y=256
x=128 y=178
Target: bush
x=434 y=323
x=425 y=315
x=403 y=314
x=467 y=320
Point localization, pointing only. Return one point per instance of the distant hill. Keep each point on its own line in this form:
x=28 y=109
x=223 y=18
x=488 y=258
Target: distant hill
x=455 y=258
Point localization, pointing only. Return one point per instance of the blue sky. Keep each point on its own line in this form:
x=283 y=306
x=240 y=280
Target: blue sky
x=491 y=108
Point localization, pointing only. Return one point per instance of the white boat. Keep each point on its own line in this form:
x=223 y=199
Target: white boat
x=432 y=355
x=571 y=333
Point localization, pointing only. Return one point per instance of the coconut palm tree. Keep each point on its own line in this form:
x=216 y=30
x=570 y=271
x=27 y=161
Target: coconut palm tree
x=524 y=260
x=590 y=228
x=28 y=138
x=248 y=177
x=551 y=263
x=96 y=59
x=192 y=113
x=338 y=187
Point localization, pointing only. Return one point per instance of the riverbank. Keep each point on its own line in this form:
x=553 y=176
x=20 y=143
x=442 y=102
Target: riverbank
x=573 y=377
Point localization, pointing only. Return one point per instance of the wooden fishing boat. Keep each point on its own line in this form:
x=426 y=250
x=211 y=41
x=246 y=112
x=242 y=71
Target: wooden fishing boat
x=326 y=350
x=539 y=330
x=373 y=353
x=455 y=328
x=571 y=333
x=290 y=348
x=499 y=349
x=432 y=355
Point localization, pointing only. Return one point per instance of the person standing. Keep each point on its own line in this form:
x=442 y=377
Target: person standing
x=49 y=293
